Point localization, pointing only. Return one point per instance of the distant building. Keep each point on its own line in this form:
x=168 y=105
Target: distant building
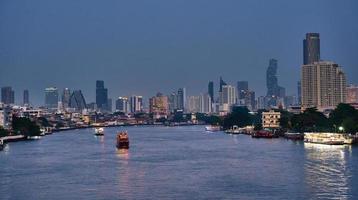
x=101 y=96
x=173 y=102
x=136 y=104
x=271 y=119
x=122 y=104
x=227 y=98
x=311 y=48
x=299 y=93
x=194 y=104
x=242 y=88
x=250 y=102
x=352 y=94
x=7 y=95
x=5 y=117
x=109 y=104
x=77 y=101
x=323 y=85
x=159 y=106
x=205 y=103
x=290 y=101
x=181 y=99
x=51 y=97
x=66 y=95
x=261 y=102
x=26 y=98
x=211 y=90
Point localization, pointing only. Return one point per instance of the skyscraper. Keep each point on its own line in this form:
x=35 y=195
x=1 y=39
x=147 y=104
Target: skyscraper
x=172 y=101
x=77 y=101
x=194 y=104
x=352 y=94
x=26 y=98
x=136 y=104
x=222 y=83
x=211 y=90
x=7 y=95
x=227 y=98
x=205 y=103
x=242 y=88
x=66 y=95
x=311 y=48
x=101 y=95
x=299 y=92
x=271 y=78
x=51 y=97
x=323 y=85
x=181 y=96
x=122 y=104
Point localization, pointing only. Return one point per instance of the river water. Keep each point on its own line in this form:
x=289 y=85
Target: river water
x=175 y=163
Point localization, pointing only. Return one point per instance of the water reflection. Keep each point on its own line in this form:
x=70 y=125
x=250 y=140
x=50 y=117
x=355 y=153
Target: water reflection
x=123 y=153
x=326 y=171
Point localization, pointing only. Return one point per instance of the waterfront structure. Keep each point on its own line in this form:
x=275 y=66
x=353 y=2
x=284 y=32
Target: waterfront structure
x=122 y=104
x=26 y=98
x=66 y=95
x=51 y=97
x=352 y=94
x=323 y=85
x=7 y=95
x=136 y=104
x=5 y=117
x=205 y=103
x=194 y=104
x=211 y=90
x=181 y=99
x=271 y=119
x=101 y=96
x=158 y=106
x=311 y=48
x=227 y=98
x=77 y=101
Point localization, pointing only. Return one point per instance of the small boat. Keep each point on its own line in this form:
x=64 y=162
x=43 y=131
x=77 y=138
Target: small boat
x=294 y=136
x=122 y=140
x=212 y=128
x=234 y=130
x=2 y=145
x=263 y=134
x=99 y=131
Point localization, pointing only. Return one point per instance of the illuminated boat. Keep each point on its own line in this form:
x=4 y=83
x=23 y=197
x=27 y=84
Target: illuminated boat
x=122 y=140
x=263 y=134
x=328 y=138
x=293 y=136
x=212 y=128
x=99 y=131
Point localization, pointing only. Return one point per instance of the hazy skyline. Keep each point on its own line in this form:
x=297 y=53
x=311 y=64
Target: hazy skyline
x=142 y=47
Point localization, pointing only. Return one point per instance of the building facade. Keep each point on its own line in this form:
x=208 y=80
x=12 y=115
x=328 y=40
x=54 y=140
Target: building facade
x=352 y=94
x=122 y=104
x=323 y=85
x=51 y=97
x=159 y=106
x=101 y=96
x=7 y=95
x=311 y=48
x=271 y=119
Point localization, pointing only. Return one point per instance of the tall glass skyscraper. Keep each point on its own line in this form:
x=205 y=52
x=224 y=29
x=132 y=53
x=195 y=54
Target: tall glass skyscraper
x=311 y=48
x=271 y=78
x=211 y=90
x=101 y=95
x=7 y=95
x=77 y=101
x=51 y=97
x=26 y=97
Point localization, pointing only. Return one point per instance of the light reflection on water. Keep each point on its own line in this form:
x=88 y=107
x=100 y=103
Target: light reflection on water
x=325 y=170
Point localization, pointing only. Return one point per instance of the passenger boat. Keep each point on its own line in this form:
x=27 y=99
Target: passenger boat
x=99 y=131
x=263 y=134
x=234 y=130
x=122 y=140
x=294 y=136
x=328 y=138
x=212 y=128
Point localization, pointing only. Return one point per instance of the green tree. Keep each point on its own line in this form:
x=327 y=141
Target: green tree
x=239 y=116
x=310 y=120
x=3 y=132
x=25 y=126
x=346 y=116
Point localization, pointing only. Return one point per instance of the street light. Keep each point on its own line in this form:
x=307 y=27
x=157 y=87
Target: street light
x=341 y=128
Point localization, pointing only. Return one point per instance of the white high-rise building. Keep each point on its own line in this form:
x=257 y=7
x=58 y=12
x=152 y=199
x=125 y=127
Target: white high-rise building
x=227 y=97
x=136 y=104
x=205 y=103
x=323 y=85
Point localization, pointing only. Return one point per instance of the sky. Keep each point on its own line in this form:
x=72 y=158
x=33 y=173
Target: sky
x=145 y=47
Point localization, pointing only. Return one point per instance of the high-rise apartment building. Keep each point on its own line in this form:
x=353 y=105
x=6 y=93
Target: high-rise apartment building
x=159 y=106
x=122 y=104
x=205 y=103
x=7 y=95
x=136 y=104
x=26 y=98
x=323 y=85
x=352 y=94
x=66 y=95
x=194 y=104
x=311 y=48
x=227 y=97
x=51 y=97
x=242 y=88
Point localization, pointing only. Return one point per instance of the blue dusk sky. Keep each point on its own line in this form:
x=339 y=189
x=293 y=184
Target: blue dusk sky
x=142 y=47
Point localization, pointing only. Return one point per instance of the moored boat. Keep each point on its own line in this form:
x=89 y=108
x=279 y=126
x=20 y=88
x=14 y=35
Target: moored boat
x=212 y=128
x=293 y=136
x=263 y=134
x=328 y=138
x=122 y=140
x=99 y=131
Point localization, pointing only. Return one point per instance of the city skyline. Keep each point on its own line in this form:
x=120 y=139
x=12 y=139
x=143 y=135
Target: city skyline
x=236 y=46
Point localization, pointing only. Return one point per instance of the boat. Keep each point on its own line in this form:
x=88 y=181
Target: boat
x=213 y=128
x=99 y=131
x=293 y=136
x=35 y=137
x=263 y=134
x=2 y=145
x=122 y=140
x=328 y=138
x=234 y=130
